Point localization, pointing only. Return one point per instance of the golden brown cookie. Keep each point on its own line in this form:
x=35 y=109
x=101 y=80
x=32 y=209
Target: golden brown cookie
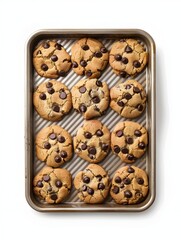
x=129 y=185
x=129 y=141
x=92 y=184
x=51 y=60
x=52 y=100
x=128 y=57
x=89 y=57
x=52 y=185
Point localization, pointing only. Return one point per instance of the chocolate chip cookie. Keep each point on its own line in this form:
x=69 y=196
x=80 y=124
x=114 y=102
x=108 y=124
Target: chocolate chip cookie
x=89 y=57
x=129 y=141
x=129 y=185
x=128 y=99
x=92 y=141
x=90 y=97
x=128 y=57
x=54 y=146
x=92 y=184
x=51 y=60
x=52 y=185
x=52 y=100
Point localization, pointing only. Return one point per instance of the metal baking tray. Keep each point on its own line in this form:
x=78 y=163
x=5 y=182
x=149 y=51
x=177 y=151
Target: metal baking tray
x=34 y=123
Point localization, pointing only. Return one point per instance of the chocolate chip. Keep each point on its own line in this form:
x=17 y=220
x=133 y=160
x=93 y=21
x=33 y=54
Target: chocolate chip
x=82 y=89
x=83 y=146
x=47 y=145
x=61 y=139
x=117 y=179
x=120 y=103
x=128 y=49
x=115 y=190
x=39 y=184
x=90 y=191
x=127 y=96
x=58 y=183
x=136 y=90
x=124 y=60
x=62 y=73
x=86 y=179
x=98 y=54
x=85 y=47
x=128 y=194
x=119 y=133
x=104 y=50
x=140 y=181
x=46 y=178
x=74 y=64
x=118 y=57
x=101 y=186
x=129 y=140
x=50 y=90
x=54 y=58
x=91 y=156
x=127 y=181
x=96 y=99
x=39 y=52
x=54 y=197
x=140 y=107
x=122 y=185
x=136 y=64
x=137 y=133
x=49 y=84
x=88 y=135
x=42 y=96
x=52 y=136
x=49 y=189
x=130 y=170
x=99 y=83
x=83 y=63
x=44 y=67
x=141 y=145
x=56 y=108
x=104 y=147
x=124 y=150
x=88 y=73
x=63 y=154
x=92 y=150
x=123 y=74
x=57 y=159
x=131 y=157
x=128 y=86
x=99 y=133
x=63 y=95
x=99 y=177
x=58 y=46
x=117 y=149
x=84 y=188
x=46 y=45
x=82 y=108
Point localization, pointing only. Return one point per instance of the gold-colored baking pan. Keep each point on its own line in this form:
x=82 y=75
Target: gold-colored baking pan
x=34 y=123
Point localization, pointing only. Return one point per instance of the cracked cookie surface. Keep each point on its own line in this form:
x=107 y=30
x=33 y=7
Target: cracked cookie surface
x=92 y=184
x=89 y=57
x=52 y=100
x=51 y=60
x=129 y=141
x=52 y=185
x=92 y=141
x=54 y=146
x=90 y=97
x=129 y=185
x=128 y=99
x=128 y=57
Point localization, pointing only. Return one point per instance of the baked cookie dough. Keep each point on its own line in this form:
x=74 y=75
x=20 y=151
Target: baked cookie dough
x=89 y=57
x=92 y=184
x=54 y=146
x=128 y=57
x=92 y=141
x=52 y=185
x=129 y=141
x=51 y=60
x=129 y=185
x=52 y=100
x=128 y=99
x=90 y=97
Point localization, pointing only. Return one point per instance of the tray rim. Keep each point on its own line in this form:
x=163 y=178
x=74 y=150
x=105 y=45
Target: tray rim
x=126 y=31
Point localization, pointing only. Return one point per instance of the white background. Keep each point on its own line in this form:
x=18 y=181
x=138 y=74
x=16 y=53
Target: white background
x=18 y=19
